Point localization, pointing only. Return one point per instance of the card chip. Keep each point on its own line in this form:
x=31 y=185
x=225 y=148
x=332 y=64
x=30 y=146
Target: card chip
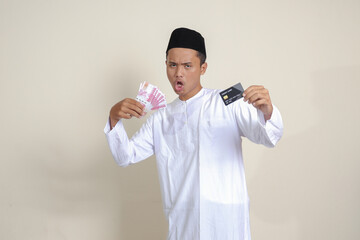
x=232 y=94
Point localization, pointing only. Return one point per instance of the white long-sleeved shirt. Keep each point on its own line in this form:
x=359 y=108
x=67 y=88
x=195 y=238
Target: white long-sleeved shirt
x=198 y=151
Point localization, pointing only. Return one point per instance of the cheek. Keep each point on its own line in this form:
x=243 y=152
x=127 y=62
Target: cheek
x=193 y=73
x=169 y=73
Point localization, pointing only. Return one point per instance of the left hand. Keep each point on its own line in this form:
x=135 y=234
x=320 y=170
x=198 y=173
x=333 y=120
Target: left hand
x=259 y=97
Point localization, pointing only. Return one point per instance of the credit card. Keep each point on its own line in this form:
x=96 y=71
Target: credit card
x=232 y=94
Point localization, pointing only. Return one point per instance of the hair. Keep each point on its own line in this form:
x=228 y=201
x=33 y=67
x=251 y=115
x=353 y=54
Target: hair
x=200 y=55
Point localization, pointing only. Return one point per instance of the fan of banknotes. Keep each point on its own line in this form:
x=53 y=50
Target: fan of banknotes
x=150 y=97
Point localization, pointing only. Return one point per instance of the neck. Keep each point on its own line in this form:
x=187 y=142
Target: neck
x=191 y=94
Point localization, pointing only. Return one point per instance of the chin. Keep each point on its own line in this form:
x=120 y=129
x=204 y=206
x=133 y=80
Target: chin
x=177 y=91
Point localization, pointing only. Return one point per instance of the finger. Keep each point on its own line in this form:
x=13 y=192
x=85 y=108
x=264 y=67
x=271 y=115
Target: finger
x=127 y=111
x=265 y=107
x=133 y=113
x=134 y=102
x=124 y=115
x=260 y=103
x=256 y=95
x=140 y=105
x=251 y=91
x=130 y=104
x=135 y=109
x=135 y=105
x=252 y=88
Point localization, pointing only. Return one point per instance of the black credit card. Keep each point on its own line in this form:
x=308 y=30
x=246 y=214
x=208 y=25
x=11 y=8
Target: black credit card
x=232 y=94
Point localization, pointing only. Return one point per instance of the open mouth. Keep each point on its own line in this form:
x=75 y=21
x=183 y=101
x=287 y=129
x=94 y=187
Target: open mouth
x=179 y=85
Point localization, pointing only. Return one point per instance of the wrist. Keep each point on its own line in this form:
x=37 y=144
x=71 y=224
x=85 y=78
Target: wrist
x=268 y=113
x=267 y=117
x=112 y=122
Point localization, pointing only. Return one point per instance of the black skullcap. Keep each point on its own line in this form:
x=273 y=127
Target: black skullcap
x=186 y=38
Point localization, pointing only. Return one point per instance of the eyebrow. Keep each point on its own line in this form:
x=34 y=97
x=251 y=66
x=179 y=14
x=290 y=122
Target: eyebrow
x=185 y=63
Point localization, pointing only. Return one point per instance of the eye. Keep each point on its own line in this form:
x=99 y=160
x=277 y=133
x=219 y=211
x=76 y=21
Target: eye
x=172 y=65
x=188 y=66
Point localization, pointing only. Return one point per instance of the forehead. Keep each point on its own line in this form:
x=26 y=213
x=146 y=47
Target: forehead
x=182 y=55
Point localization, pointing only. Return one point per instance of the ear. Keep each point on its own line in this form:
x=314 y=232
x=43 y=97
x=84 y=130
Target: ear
x=203 y=68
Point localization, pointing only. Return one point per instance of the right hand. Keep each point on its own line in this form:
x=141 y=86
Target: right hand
x=127 y=109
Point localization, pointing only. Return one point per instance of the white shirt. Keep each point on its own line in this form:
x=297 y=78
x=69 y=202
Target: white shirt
x=198 y=151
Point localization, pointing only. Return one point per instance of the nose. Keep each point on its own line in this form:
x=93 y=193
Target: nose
x=179 y=72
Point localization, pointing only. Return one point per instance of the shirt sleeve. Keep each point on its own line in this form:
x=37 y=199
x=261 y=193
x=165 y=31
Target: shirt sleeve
x=127 y=151
x=254 y=127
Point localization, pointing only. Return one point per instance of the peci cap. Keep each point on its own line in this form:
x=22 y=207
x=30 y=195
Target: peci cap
x=186 y=38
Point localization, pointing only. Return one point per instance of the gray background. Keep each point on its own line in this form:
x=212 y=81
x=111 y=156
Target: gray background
x=63 y=64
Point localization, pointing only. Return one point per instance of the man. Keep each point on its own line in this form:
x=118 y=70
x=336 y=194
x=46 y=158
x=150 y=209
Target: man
x=197 y=143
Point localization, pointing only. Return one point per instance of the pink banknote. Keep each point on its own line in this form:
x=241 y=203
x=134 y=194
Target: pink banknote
x=150 y=97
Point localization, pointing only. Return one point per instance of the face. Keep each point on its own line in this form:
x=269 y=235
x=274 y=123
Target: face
x=183 y=71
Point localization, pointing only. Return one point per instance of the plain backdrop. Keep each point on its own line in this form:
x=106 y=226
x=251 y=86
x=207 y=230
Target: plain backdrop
x=64 y=64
